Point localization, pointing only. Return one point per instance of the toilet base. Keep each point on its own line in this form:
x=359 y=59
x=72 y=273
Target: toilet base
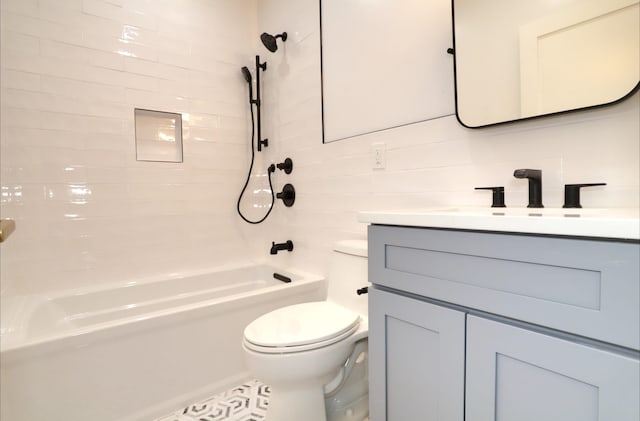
x=298 y=402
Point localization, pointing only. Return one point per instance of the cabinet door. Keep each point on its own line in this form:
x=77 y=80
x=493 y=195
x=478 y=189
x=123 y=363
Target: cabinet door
x=521 y=375
x=416 y=354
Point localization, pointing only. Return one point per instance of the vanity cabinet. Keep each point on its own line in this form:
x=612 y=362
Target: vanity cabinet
x=519 y=374
x=482 y=326
x=416 y=351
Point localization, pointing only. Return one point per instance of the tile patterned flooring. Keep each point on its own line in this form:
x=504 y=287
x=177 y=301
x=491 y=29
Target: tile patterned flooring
x=247 y=402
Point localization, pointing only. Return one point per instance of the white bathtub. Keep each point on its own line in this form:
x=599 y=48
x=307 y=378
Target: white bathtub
x=137 y=351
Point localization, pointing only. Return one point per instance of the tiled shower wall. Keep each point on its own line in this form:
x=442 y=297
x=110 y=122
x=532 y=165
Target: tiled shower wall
x=433 y=163
x=73 y=70
x=72 y=73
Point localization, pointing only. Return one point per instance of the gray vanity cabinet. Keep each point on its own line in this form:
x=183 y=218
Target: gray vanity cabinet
x=417 y=355
x=522 y=375
x=484 y=326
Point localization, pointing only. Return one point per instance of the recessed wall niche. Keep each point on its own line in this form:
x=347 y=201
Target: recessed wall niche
x=158 y=136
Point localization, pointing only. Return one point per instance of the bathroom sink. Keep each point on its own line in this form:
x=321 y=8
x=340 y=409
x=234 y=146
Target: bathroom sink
x=620 y=223
x=538 y=212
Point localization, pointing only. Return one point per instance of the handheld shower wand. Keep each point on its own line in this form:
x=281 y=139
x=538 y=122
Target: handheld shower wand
x=246 y=73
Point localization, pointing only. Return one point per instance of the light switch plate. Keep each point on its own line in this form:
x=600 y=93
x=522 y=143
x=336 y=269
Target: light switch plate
x=378 y=155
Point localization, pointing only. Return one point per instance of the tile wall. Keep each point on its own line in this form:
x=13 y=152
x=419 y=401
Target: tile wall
x=72 y=73
x=87 y=212
x=433 y=163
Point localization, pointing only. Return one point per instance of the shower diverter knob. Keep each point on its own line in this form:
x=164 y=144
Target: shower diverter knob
x=288 y=195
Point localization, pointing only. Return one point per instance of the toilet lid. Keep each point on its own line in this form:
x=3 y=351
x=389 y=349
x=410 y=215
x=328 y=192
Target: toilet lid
x=301 y=324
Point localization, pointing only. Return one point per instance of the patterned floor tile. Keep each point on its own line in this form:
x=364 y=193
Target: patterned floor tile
x=247 y=402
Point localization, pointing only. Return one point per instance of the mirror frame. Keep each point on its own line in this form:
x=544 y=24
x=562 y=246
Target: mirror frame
x=455 y=88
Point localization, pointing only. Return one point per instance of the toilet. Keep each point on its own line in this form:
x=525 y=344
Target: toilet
x=314 y=355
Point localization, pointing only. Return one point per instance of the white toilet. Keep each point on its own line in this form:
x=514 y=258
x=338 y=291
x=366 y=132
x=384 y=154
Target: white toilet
x=315 y=351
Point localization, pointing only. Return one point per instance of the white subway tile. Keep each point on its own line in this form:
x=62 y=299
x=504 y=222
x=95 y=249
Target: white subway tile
x=25 y=7
x=58 y=12
x=26 y=25
x=108 y=60
x=16 y=117
x=83 y=90
x=103 y=9
x=20 y=80
x=23 y=43
x=67 y=52
x=61 y=5
x=60 y=32
x=142 y=19
x=80 y=123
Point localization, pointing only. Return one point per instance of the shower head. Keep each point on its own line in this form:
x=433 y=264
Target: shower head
x=246 y=74
x=269 y=40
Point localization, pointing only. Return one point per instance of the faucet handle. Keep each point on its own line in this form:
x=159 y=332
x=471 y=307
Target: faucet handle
x=572 y=194
x=498 y=196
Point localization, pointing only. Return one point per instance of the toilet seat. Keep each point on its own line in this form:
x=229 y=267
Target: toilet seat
x=301 y=327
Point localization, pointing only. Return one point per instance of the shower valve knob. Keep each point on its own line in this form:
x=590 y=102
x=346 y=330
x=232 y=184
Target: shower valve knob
x=286 y=166
x=288 y=195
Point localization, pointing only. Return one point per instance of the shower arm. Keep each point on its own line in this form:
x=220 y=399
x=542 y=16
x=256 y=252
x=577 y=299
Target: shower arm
x=263 y=67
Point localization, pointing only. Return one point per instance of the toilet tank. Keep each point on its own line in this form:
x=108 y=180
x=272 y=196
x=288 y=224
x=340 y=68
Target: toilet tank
x=348 y=273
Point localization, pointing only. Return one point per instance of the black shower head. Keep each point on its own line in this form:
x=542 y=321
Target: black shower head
x=246 y=74
x=269 y=40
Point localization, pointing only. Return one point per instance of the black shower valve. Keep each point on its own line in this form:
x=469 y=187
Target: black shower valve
x=286 y=166
x=498 y=196
x=288 y=195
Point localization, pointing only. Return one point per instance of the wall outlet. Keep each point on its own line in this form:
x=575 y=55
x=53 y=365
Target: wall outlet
x=378 y=155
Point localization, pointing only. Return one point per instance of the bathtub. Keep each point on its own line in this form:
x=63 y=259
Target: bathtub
x=139 y=350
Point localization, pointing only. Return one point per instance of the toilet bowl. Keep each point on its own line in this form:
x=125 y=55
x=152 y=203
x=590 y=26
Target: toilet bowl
x=306 y=351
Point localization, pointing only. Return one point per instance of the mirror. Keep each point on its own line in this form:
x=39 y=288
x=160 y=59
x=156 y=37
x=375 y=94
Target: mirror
x=384 y=65
x=517 y=60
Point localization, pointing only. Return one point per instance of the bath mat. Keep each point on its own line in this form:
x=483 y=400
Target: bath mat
x=247 y=402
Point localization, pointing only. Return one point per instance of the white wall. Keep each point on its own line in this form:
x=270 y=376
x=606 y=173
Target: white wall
x=435 y=163
x=86 y=210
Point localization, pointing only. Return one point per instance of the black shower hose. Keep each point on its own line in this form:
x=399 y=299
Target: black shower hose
x=270 y=170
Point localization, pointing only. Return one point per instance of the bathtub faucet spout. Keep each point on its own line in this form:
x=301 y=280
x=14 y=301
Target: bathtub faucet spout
x=275 y=248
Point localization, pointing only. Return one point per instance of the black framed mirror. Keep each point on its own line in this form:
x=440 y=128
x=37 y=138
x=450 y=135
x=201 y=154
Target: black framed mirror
x=517 y=60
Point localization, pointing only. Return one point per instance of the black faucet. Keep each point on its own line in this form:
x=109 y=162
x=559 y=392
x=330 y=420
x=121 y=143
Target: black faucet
x=535 y=186
x=275 y=248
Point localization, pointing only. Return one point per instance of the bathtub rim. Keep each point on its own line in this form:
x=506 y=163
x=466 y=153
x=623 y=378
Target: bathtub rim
x=14 y=350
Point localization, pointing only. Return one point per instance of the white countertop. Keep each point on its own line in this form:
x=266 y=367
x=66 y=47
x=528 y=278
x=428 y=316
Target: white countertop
x=619 y=223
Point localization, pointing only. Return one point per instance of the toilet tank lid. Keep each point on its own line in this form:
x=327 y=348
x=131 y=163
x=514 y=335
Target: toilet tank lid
x=355 y=247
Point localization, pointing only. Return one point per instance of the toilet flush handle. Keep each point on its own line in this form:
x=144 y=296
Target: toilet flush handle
x=362 y=290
